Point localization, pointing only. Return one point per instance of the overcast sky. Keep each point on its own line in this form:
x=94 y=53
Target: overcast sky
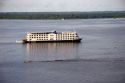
x=61 y=5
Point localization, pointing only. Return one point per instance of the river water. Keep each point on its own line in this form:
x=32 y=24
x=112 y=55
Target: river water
x=99 y=58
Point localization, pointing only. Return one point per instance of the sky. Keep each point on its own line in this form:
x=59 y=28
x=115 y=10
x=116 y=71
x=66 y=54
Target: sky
x=61 y=5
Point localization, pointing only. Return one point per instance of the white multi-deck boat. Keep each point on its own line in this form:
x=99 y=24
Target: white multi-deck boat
x=51 y=37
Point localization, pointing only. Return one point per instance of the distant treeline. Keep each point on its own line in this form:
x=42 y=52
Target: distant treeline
x=61 y=15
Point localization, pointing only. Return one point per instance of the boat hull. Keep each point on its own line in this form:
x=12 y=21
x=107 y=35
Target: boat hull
x=77 y=40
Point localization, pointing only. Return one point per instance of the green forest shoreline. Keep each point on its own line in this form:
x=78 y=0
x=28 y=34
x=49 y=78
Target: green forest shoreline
x=62 y=15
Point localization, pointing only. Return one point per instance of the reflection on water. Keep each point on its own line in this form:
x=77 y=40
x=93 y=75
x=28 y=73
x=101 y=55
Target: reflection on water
x=51 y=51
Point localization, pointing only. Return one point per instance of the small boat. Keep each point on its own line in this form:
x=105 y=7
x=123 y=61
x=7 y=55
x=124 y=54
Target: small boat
x=19 y=41
x=51 y=37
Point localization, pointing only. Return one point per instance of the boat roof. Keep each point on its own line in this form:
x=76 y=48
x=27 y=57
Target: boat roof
x=55 y=32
